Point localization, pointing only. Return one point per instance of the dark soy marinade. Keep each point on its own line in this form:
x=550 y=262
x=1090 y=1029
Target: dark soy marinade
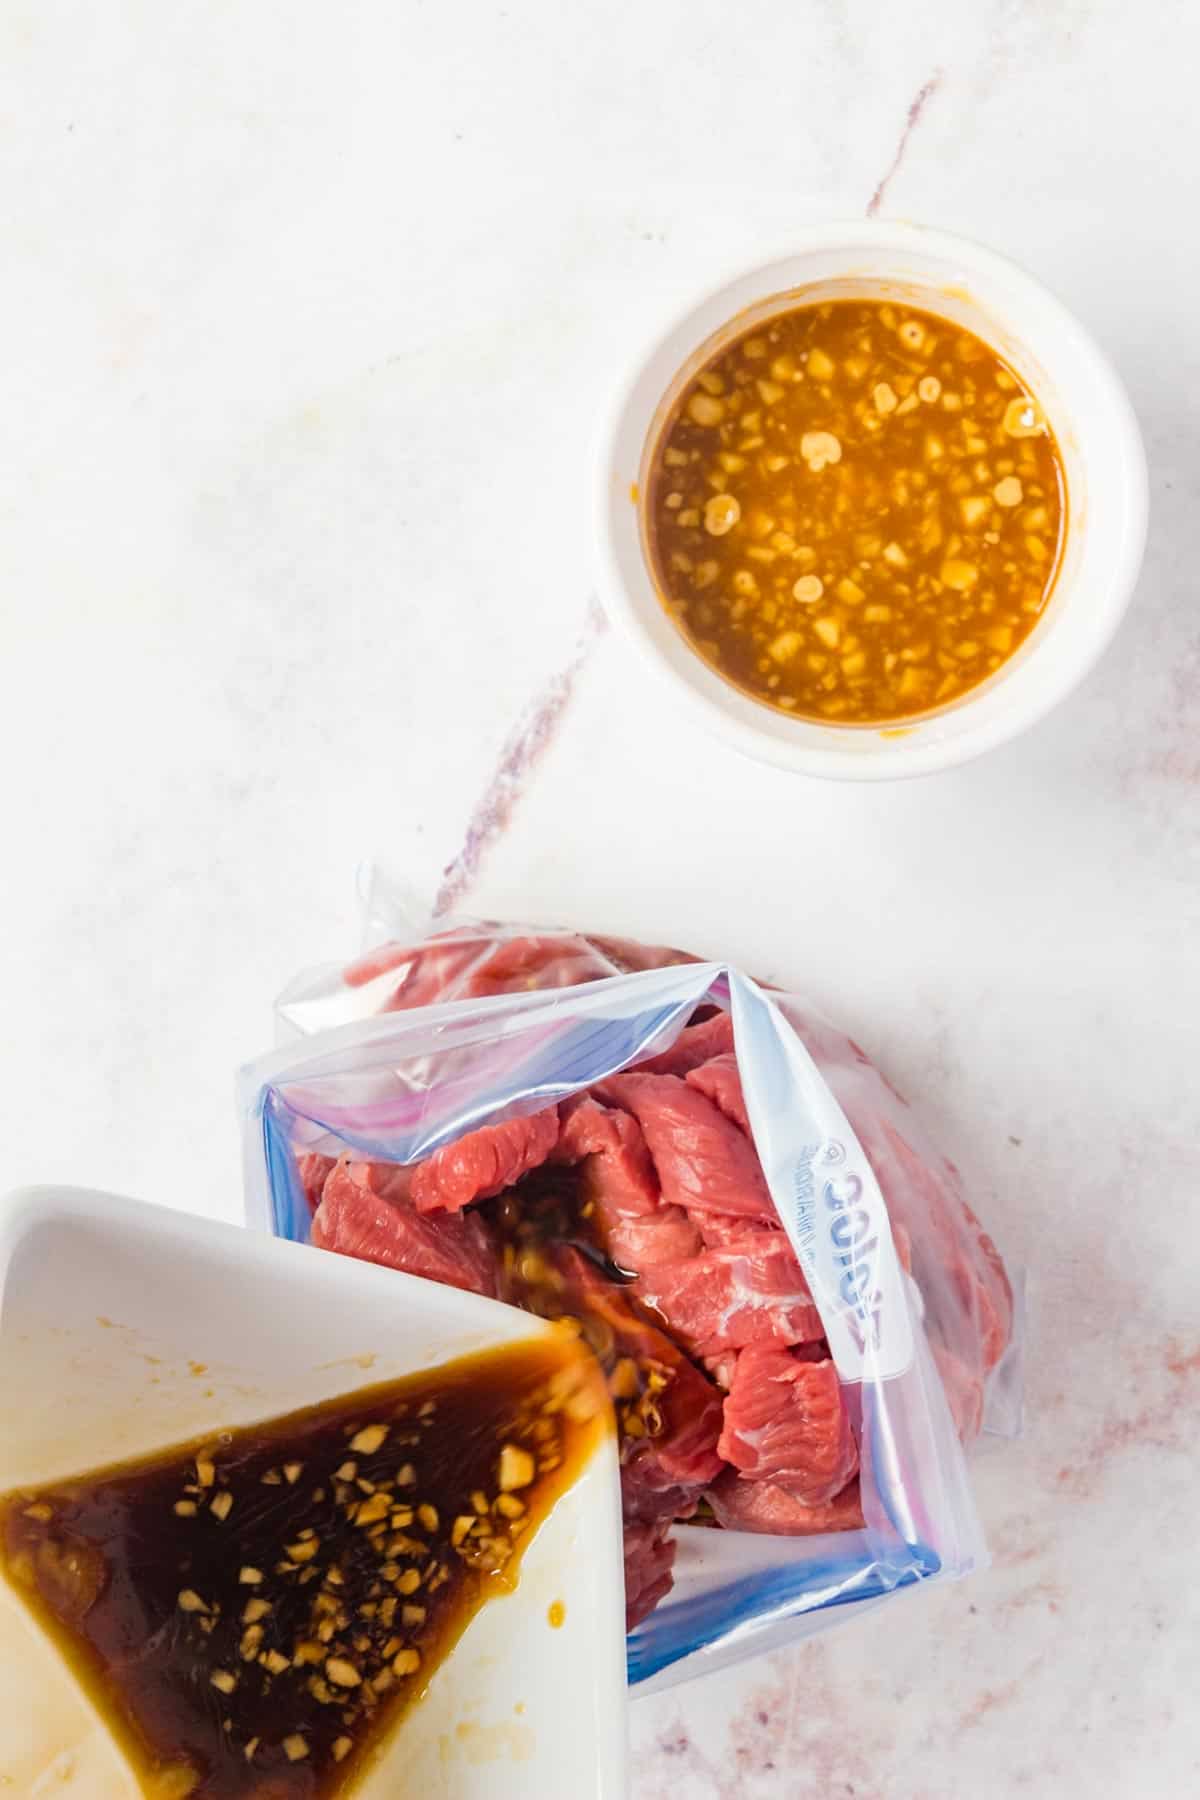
x=254 y=1613
x=554 y=1262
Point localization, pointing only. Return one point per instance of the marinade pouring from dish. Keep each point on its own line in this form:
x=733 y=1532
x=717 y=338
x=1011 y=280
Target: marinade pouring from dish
x=254 y=1614
x=638 y=1208
x=855 y=511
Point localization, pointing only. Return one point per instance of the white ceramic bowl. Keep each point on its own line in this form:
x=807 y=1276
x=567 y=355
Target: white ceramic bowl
x=1088 y=410
x=125 y=1328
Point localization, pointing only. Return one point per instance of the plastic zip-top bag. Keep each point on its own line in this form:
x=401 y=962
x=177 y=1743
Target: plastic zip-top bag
x=801 y=1319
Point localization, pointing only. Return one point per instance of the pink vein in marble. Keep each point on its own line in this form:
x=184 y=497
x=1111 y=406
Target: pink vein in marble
x=1164 y=1421
x=916 y=111
x=527 y=743
x=791 y=1737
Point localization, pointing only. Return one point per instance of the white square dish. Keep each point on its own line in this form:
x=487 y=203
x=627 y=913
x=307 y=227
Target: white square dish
x=125 y=1328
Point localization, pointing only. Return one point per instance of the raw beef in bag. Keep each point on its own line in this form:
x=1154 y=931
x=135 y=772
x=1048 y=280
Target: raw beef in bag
x=796 y=1311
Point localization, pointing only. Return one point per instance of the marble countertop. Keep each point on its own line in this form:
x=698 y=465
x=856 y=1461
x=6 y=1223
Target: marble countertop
x=308 y=312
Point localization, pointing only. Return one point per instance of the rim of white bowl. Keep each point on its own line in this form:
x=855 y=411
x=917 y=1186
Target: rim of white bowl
x=1049 y=666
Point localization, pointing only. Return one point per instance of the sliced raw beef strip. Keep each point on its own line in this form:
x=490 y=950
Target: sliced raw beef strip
x=355 y=1218
x=649 y=1559
x=629 y=958
x=621 y=1176
x=748 y=1288
x=726 y=1231
x=704 y=1163
x=718 y=1078
x=463 y=964
x=962 y=1277
x=648 y=1563
x=458 y=965
x=620 y=1184
x=426 y=973
x=517 y=965
x=743 y=1505
x=695 y=1044
x=751 y=1290
x=964 y=1391
x=472 y=962
x=785 y=1421
x=484 y=1162
x=643 y=1246
x=391 y=1181
x=313 y=1170
x=985 y=1278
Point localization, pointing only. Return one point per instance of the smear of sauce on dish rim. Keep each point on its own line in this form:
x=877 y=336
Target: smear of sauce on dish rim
x=505 y=1741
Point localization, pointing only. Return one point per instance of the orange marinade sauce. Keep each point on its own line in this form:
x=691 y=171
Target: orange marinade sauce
x=856 y=512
